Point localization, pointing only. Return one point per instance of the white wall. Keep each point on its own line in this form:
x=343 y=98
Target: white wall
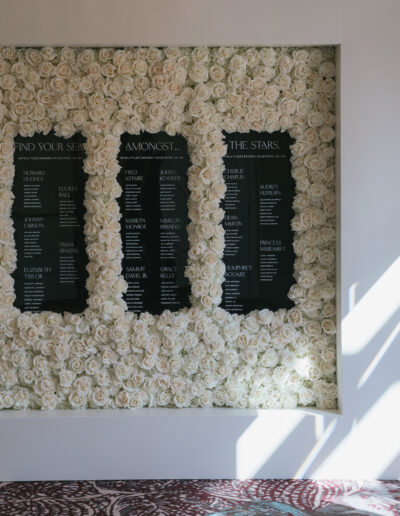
x=364 y=441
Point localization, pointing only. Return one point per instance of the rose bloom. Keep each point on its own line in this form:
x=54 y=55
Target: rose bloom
x=280 y=375
x=310 y=307
x=302 y=185
x=266 y=316
x=66 y=378
x=327 y=69
x=306 y=396
x=326 y=257
x=327 y=134
x=326 y=403
x=329 y=326
x=198 y=73
x=294 y=316
x=249 y=356
x=309 y=255
x=270 y=358
x=306 y=279
x=76 y=365
x=329 y=309
x=327 y=290
x=77 y=400
x=21 y=398
x=312 y=328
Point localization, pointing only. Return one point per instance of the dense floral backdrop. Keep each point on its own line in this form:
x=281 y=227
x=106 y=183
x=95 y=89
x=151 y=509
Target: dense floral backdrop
x=202 y=356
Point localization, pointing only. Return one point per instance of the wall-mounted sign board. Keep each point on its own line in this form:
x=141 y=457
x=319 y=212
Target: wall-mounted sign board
x=48 y=217
x=259 y=254
x=153 y=205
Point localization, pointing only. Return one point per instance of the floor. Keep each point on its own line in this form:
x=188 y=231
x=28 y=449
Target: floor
x=200 y=497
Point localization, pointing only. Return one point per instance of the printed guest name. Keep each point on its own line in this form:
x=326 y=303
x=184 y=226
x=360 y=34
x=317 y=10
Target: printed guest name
x=135 y=223
x=272 y=245
x=167 y=272
x=33 y=176
x=237 y=271
x=170 y=223
x=34 y=222
x=35 y=272
x=67 y=248
x=136 y=272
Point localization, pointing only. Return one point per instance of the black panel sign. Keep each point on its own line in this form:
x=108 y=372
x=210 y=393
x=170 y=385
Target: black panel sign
x=153 y=204
x=258 y=254
x=48 y=210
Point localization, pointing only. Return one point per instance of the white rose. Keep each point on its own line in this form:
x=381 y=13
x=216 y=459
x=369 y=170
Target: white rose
x=268 y=56
x=175 y=364
x=269 y=358
x=200 y=54
x=99 y=396
x=329 y=309
x=251 y=324
x=206 y=399
x=326 y=257
x=284 y=81
x=317 y=190
x=83 y=385
x=163 y=398
x=48 y=401
x=271 y=94
x=326 y=403
x=309 y=255
x=312 y=328
x=294 y=316
x=27 y=376
x=280 y=375
x=289 y=401
x=306 y=396
x=306 y=279
x=315 y=119
x=266 y=316
x=285 y=63
x=148 y=362
x=287 y=332
x=329 y=327
x=327 y=69
x=178 y=383
x=313 y=294
x=237 y=63
x=327 y=134
x=327 y=290
x=66 y=378
x=181 y=399
x=198 y=73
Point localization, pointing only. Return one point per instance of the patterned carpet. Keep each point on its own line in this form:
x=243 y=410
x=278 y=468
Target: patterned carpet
x=200 y=497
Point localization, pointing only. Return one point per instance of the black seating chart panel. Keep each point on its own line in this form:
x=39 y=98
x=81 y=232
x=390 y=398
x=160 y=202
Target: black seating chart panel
x=48 y=216
x=258 y=254
x=154 y=221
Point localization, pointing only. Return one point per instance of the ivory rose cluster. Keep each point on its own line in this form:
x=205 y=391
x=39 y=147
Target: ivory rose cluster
x=200 y=356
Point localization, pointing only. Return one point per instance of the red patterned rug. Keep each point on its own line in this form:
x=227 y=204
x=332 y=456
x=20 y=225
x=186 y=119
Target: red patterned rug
x=200 y=497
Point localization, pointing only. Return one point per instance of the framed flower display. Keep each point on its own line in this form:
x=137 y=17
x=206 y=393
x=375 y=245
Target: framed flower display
x=202 y=355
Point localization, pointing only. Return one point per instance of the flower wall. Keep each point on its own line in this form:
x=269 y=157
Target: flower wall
x=197 y=357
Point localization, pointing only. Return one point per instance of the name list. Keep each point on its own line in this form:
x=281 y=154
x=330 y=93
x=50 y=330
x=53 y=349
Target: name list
x=258 y=254
x=153 y=204
x=48 y=211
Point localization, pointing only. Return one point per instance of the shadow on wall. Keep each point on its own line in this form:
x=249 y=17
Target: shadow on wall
x=365 y=441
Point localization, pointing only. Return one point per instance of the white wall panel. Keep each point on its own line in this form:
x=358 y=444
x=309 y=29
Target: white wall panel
x=364 y=441
x=172 y=22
